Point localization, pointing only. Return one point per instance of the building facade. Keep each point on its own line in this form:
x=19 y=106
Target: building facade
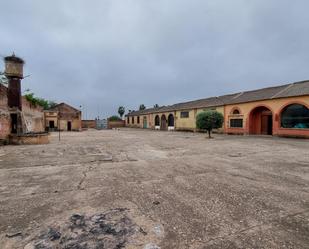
x=63 y=117
x=281 y=111
x=32 y=117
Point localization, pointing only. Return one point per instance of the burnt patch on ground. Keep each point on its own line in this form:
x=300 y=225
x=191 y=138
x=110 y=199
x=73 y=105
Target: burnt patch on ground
x=111 y=229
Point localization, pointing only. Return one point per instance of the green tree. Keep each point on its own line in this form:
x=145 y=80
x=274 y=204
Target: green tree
x=142 y=107
x=209 y=120
x=156 y=106
x=52 y=104
x=121 y=111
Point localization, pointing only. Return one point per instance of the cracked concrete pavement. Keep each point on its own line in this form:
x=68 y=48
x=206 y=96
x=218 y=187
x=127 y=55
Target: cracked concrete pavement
x=227 y=192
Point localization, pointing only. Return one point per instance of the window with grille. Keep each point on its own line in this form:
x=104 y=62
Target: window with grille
x=236 y=123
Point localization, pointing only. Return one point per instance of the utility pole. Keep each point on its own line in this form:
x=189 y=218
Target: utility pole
x=59 y=125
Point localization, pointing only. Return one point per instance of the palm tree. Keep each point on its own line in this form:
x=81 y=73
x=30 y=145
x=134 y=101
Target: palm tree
x=121 y=111
x=142 y=107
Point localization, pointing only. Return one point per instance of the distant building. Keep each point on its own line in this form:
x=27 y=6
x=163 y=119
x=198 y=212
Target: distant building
x=63 y=117
x=280 y=110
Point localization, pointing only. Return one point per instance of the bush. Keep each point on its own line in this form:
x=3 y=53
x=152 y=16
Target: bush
x=39 y=101
x=114 y=118
x=209 y=120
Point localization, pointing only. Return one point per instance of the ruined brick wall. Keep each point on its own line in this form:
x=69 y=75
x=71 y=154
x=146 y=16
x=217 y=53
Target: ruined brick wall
x=5 y=119
x=34 y=116
x=3 y=97
x=4 y=126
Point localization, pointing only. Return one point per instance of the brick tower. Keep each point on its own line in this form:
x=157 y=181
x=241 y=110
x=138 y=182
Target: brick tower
x=14 y=73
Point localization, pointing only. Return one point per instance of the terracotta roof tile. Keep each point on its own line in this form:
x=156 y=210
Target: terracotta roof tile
x=289 y=90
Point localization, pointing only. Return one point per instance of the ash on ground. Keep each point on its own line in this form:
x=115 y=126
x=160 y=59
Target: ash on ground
x=112 y=229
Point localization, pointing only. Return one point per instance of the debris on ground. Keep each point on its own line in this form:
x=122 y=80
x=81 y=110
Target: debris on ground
x=111 y=229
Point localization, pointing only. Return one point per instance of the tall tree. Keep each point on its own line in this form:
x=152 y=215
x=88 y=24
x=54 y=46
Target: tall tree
x=142 y=107
x=209 y=120
x=121 y=111
x=155 y=106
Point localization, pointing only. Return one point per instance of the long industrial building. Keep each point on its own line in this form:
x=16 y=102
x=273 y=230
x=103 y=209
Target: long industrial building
x=280 y=110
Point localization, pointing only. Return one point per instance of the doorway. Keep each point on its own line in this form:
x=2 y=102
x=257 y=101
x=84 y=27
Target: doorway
x=170 y=120
x=261 y=121
x=13 y=123
x=145 y=123
x=51 y=124
x=69 y=126
x=163 y=123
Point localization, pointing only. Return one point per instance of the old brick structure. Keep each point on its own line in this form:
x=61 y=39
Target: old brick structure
x=32 y=116
x=4 y=114
x=18 y=117
x=63 y=117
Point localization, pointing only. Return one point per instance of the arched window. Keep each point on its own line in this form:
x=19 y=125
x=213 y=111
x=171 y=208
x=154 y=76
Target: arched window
x=295 y=116
x=157 y=120
x=236 y=111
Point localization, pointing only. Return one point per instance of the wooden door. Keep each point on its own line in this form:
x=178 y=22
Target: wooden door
x=266 y=125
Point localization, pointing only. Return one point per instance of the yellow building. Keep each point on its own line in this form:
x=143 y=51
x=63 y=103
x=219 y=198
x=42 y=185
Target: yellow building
x=63 y=117
x=281 y=110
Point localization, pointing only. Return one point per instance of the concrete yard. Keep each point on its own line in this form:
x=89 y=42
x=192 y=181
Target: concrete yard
x=145 y=189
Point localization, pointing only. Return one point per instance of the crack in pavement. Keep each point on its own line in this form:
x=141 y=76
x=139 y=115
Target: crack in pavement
x=85 y=172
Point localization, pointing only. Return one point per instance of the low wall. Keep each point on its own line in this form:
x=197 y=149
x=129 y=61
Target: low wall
x=89 y=124
x=41 y=138
x=115 y=124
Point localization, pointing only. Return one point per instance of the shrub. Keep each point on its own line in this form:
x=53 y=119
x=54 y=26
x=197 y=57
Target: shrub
x=209 y=120
x=114 y=118
x=39 y=101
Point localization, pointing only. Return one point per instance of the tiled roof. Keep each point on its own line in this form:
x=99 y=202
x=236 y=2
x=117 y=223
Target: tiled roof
x=61 y=106
x=289 y=90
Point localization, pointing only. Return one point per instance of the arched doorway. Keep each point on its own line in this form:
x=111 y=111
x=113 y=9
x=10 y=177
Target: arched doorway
x=157 y=122
x=144 y=122
x=170 y=122
x=163 y=123
x=261 y=121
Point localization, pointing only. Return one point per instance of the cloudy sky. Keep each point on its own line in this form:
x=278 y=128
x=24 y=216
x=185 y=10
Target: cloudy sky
x=104 y=53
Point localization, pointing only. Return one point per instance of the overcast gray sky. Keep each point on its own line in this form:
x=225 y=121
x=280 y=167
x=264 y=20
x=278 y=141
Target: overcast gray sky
x=104 y=53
